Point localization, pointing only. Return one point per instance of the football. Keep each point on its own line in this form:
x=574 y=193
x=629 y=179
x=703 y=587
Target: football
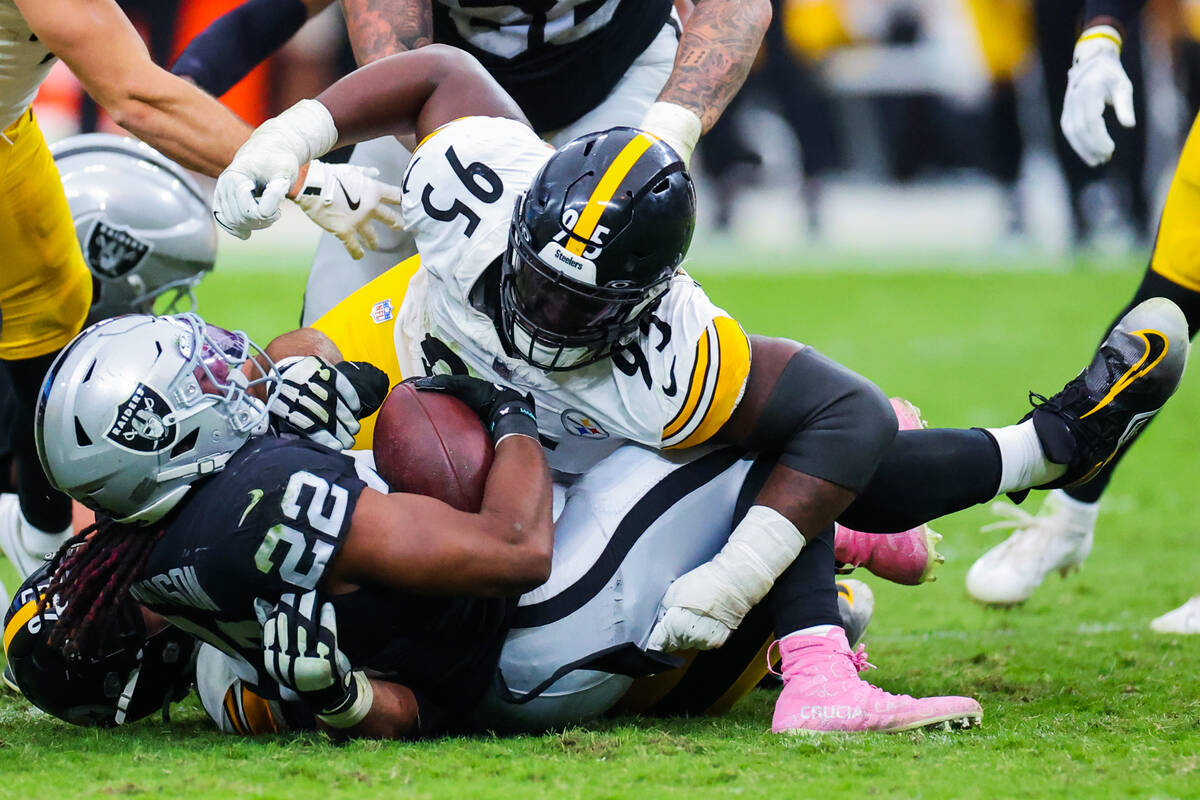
x=432 y=444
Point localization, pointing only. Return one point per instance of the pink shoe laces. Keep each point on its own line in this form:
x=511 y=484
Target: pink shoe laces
x=858 y=657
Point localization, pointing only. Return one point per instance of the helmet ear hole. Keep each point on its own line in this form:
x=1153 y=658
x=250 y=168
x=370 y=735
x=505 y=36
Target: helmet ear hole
x=81 y=437
x=661 y=186
x=185 y=444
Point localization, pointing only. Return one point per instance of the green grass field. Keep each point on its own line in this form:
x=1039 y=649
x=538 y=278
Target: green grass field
x=1081 y=699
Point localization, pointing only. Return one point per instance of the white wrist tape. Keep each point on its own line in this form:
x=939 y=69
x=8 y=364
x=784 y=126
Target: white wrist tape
x=1096 y=38
x=358 y=709
x=761 y=547
x=677 y=126
x=306 y=130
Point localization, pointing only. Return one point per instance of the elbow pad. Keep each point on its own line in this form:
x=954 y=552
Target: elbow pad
x=237 y=42
x=824 y=420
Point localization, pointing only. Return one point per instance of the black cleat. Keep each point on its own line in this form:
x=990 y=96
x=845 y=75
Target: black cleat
x=1138 y=366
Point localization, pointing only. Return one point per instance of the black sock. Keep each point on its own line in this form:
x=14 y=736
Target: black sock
x=1153 y=285
x=805 y=594
x=43 y=505
x=926 y=474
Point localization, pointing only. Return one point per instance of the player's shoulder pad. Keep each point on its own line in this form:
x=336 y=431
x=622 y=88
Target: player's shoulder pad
x=711 y=354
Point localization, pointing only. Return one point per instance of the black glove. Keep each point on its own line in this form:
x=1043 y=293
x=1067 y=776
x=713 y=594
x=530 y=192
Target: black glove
x=502 y=411
x=369 y=382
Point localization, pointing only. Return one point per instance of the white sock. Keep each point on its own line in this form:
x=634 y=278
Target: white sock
x=1023 y=464
x=815 y=630
x=1083 y=515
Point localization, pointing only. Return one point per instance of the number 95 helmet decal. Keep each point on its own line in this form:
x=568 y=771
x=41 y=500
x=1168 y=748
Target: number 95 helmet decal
x=136 y=408
x=594 y=243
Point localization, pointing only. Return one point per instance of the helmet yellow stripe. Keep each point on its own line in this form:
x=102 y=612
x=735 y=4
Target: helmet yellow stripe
x=610 y=181
x=26 y=613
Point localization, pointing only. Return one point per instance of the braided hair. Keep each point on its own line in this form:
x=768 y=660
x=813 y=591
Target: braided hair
x=91 y=575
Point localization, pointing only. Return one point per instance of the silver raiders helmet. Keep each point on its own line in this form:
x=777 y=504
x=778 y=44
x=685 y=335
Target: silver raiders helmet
x=143 y=223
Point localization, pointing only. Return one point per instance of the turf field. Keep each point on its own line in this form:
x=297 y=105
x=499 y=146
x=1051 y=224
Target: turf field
x=1081 y=699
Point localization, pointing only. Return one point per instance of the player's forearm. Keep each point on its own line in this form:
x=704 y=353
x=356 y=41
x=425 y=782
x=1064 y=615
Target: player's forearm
x=393 y=715
x=174 y=117
x=380 y=28
x=517 y=503
x=237 y=42
x=414 y=93
x=720 y=41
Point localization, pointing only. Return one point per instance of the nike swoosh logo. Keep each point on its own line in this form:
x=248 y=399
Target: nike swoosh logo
x=255 y=496
x=354 y=204
x=669 y=391
x=1156 y=350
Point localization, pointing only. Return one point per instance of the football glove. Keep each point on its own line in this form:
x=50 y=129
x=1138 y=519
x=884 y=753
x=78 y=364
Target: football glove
x=344 y=199
x=503 y=411
x=265 y=167
x=324 y=403
x=300 y=652
x=1095 y=80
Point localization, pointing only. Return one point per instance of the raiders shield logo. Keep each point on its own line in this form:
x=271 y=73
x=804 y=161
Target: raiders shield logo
x=112 y=252
x=140 y=422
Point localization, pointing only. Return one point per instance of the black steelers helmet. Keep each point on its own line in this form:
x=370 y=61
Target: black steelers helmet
x=135 y=675
x=594 y=243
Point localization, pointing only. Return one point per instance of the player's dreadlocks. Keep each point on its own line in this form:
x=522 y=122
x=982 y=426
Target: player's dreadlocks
x=91 y=575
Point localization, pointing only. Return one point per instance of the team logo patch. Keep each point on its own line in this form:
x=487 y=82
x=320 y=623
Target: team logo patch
x=113 y=252
x=579 y=424
x=141 y=424
x=381 y=312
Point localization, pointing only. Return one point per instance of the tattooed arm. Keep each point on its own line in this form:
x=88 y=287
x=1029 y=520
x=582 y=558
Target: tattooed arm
x=381 y=28
x=720 y=40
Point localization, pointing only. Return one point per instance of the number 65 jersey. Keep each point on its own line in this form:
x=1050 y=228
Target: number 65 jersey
x=674 y=385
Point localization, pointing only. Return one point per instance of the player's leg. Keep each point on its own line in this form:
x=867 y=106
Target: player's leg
x=1059 y=536
x=334 y=274
x=45 y=292
x=1067 y=439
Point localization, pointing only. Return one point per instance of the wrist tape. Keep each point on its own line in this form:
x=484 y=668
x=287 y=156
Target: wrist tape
x=356 y=707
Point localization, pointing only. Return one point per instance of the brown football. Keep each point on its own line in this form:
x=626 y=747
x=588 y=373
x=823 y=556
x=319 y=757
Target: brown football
x=432 y=444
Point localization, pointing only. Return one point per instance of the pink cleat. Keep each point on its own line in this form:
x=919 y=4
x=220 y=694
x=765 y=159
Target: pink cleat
x=908 y=558
x=823 y=693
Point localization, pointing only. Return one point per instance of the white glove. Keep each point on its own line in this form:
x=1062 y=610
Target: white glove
x=344 y=199
x=1096 y=79
x=702 y=607
x=269 y=163
x=316 y=401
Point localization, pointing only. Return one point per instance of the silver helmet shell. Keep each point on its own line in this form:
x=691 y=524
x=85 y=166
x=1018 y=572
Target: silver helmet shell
x=136 y=408
x=143 y=223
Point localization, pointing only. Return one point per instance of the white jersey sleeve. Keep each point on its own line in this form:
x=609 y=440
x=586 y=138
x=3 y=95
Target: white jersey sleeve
x=703 y=357
x=459 y=192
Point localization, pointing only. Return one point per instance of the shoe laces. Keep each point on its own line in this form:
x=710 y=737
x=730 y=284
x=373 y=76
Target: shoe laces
x=858 y=657
x=1012 y=518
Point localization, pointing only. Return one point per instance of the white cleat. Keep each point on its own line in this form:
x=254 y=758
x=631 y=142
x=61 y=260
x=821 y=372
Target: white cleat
x=1058 y=537
x=26 y=546
x=1185 y=619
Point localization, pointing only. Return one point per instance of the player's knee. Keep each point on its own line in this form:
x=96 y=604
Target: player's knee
x=874 y=422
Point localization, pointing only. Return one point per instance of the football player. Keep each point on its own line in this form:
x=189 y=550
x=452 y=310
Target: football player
x=140 y=255
x=558 y=272
x=46 y=288
x=573 y=67
x=1059 y=537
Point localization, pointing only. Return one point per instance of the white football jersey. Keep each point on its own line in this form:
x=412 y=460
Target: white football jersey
x=674 y=385
x=24 y=64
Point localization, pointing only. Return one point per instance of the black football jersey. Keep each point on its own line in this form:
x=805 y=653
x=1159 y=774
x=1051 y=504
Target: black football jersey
x=270 y=523
x=557 y=58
